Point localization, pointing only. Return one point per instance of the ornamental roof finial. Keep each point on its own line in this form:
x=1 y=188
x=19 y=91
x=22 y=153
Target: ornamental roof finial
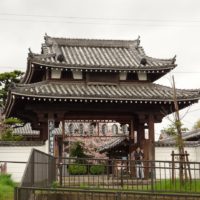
x=45 y=36
x=30 y=54
x=138 y=41
x=174 y=59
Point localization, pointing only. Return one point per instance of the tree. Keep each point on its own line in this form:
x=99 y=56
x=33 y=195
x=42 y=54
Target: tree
x=6 y=129
x=6 y=79
x=77 y=150
x=197 y=124
x=171 y=130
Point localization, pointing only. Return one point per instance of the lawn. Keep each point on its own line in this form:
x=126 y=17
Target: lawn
x=168 y=186
x=162 y=186
x=6 y=187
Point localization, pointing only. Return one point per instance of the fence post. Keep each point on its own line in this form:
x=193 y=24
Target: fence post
x=152 y=175
x=121 y=174
x=16 y=193
x=117 y=196
x=173 y=166
x=60 y=174
x=108 y=168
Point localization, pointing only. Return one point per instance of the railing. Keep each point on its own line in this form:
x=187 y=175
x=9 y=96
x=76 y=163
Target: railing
x=61 y=194
x=122 y=175
x=106 y=179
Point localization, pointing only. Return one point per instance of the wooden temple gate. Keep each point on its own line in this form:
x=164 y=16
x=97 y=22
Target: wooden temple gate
x=80 y=79
x=140 y=133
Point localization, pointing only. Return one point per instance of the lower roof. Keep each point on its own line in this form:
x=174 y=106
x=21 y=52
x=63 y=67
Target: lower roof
x=134 y=93
x=120 y=92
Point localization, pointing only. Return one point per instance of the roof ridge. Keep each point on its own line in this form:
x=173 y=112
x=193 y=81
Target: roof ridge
x=47 y=36
x=92 y=42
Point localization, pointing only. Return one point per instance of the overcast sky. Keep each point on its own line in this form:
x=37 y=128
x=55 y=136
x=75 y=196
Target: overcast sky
x=166 y=28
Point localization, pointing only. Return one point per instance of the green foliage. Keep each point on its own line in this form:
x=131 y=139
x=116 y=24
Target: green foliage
x=171 y=130
x=5 y=179
x=7 y=129
x=12 y=121
x=197 y=124
x=6 y=79
x=77 y=150
x=77 y=169
x=97 y=169
x=7 y=135
x=6 y=187
x=55 y=184
x=177 y=186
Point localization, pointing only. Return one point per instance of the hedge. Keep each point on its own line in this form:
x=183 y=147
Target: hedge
x=97 y=169
x=77 y=169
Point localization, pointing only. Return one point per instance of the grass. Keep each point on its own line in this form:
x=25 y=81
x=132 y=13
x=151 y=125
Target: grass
x=167 y=186
x=6 y=187
x=161 y=186
x=192 y=186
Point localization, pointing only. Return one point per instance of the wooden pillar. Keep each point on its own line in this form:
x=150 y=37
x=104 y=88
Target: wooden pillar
x=43 y=131
x=151 y=137
x=131 y=147
x=131 y=138
x=140 y=135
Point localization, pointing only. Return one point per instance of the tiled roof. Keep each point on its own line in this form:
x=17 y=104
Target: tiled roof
x=101 y=54
x=185 y=135
x=125 y=91
x=25 y=130
x=112 y=143
x=21 y=143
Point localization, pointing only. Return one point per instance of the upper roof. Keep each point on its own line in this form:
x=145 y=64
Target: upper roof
x=98 y=54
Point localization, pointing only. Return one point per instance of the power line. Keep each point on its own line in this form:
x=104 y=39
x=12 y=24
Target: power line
x=102 y=18
x=138 y=23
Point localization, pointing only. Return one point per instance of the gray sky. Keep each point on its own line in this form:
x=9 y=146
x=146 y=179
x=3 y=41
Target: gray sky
x=166 y=28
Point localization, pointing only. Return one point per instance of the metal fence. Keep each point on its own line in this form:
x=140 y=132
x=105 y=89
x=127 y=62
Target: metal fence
x=67 y=194
x=71 y=178
x=156 y=176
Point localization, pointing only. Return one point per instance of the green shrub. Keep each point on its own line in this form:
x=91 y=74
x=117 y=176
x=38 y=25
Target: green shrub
x=5 y=179
x=77 y=169
x=9 y=136
x=6 y=187
x=55 y=184
x=97 y=169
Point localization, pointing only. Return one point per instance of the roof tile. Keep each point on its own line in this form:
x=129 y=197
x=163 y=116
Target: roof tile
x=123 y=91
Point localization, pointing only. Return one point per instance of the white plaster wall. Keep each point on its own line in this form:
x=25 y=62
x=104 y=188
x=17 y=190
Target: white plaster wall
x=164 y=154
x=17 y=154
x=197 y=149
x=21 y=153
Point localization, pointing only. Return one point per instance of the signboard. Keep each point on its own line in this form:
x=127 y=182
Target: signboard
x=51 y=126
